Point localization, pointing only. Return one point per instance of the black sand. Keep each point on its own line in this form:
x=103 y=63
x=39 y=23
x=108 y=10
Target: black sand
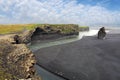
x=86 y=59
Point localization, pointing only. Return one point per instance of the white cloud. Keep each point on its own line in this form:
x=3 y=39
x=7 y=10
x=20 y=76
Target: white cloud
x=56 y=11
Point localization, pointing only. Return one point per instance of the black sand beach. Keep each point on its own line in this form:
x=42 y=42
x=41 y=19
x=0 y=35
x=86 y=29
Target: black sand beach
x=86 y=59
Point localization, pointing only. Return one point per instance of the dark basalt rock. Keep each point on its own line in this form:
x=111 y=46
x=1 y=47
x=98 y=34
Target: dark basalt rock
x=17 y=39
x=44 y=34
x=101 y=33
x=49 y=33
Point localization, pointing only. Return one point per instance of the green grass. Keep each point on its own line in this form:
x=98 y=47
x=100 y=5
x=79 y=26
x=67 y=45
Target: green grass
x=64 y=28
x=83 y=26
x=5 y=29
x=13 y=28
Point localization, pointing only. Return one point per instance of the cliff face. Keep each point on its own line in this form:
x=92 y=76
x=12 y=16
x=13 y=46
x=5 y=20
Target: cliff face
x=32 y=32
x=47 y=32
x=16 y=60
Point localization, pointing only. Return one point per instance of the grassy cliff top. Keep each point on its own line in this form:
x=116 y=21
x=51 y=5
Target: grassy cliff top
x=5 y=29
x=13 y=28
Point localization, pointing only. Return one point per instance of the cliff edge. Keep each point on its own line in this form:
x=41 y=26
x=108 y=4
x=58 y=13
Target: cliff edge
x=16 y=60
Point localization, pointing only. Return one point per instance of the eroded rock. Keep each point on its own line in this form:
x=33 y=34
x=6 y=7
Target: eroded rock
x=17 y=61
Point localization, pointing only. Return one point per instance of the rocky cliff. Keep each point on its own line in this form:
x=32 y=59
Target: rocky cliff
x=16 y=60
x=48 y=32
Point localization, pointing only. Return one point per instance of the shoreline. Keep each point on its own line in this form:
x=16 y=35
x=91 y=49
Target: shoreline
x=51 y=72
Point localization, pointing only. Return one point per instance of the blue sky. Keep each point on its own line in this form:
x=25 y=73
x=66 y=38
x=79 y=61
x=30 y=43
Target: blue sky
x=109 y=4
x=83 y=12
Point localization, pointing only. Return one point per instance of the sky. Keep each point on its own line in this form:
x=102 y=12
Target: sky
x=82 y=12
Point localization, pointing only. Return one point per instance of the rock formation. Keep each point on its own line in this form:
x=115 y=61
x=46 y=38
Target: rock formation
x=101 y=33
x=46 y=32
x=16 y=60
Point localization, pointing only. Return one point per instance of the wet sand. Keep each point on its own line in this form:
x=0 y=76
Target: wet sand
x=86 y=59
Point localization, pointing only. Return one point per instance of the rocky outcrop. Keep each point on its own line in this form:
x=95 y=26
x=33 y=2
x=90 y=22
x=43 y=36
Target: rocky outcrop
x=16 y=60
x=24 y=37
x=46 y=32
